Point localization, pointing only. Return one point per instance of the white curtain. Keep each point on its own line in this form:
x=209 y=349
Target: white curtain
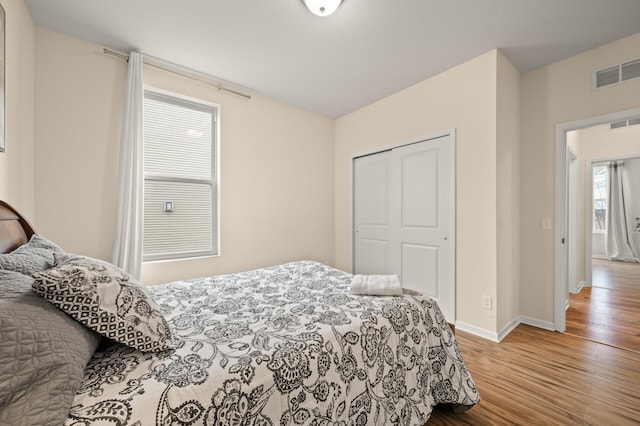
x=618 y=231
x=127 y=242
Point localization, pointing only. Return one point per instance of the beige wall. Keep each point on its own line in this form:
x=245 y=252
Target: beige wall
x=276 y=183
x=602 y=143
x=463 y=98
x=78 y=96
x=276 y=165
x=558 y=93
x=508 y=192
x=16 y=163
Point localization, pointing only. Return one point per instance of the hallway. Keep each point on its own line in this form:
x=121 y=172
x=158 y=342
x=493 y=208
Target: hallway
x=608 y=312
x=615 y=275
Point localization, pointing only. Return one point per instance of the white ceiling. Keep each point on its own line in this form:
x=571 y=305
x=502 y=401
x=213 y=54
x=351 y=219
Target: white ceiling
x=333 y=65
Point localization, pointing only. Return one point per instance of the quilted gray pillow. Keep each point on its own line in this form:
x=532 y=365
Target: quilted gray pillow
x=43 y=354
x=105 y=299
x=34 y=256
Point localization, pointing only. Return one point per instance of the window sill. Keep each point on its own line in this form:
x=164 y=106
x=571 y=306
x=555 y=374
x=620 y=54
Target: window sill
x=179 y=259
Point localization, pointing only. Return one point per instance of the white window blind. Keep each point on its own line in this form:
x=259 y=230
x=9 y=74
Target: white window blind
x=180 y=193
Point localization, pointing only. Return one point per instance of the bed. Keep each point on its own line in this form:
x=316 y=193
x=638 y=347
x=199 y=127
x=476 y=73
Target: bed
x=283 y=345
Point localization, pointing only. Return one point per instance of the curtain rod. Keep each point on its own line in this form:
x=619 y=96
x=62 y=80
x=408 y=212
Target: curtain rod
x=166 y=66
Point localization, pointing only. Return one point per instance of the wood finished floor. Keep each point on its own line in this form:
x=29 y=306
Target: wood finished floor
x=539 y=377
x=607 y=316
x=608 y=312
x=615 y=275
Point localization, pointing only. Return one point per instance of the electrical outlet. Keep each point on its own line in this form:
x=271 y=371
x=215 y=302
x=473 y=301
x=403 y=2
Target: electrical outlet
x=487 y=302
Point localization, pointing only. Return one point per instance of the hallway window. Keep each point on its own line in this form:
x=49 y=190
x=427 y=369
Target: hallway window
x=599 y=198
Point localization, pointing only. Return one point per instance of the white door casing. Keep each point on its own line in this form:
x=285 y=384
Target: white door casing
x=404 y=217
x=572 y=223
x=561 y=210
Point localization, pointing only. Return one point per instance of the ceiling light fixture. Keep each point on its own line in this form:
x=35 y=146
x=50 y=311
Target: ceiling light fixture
x=322 y=7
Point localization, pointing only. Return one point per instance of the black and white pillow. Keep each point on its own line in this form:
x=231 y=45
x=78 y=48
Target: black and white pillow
x=105 y=299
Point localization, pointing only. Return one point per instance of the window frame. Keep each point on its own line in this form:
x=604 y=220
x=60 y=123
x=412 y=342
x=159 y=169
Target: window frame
x=203 y=106
x=595 y=199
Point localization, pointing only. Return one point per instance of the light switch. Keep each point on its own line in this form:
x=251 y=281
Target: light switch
x=546 y=223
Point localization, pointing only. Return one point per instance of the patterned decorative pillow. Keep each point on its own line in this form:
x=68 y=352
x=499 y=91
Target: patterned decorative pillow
x=105 y=299
x=34 y=256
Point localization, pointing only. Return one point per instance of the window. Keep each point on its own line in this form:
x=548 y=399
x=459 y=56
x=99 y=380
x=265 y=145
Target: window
x=599 y=198
x=180 y=185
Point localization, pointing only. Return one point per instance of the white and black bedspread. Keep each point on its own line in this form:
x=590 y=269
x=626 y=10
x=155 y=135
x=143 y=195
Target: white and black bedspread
x=286 y=345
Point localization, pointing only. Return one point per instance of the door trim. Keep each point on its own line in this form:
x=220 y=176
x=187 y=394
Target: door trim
x=560 y=253
x=572 y=222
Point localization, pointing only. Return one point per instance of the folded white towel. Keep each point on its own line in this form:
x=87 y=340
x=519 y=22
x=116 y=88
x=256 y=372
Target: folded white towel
x=376 y=285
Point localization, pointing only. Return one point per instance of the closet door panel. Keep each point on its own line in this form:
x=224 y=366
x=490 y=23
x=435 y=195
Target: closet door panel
x=371 y=213
x=420 y=268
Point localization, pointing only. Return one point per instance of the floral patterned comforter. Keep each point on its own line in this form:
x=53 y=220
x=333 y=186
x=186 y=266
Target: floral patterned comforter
x=286 y=345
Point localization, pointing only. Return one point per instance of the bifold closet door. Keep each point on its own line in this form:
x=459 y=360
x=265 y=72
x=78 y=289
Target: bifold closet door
x=403 y=218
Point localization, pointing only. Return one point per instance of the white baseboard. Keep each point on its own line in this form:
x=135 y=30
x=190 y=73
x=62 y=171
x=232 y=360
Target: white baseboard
x=534 y=322
x=480 y=332
x=497 y=337
x=508 y=328
x=580 y=287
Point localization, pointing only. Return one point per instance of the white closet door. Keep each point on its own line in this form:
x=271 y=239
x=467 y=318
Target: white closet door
x=372 y=211
x=422 y=235
x=404 y=218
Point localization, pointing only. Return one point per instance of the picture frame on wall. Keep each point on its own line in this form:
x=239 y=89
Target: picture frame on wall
x=2 y=77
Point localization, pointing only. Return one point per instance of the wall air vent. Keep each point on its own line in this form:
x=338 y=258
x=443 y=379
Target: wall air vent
x=630 y=70
x=607 y=77
x=617 y=74
x=625 y=123
x=618 y=124
x=634 y=121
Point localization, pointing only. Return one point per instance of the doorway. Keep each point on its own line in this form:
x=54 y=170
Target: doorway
x=582 y=250
x=606 y=309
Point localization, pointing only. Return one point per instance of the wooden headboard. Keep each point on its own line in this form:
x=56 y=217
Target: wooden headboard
x=15 y=230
